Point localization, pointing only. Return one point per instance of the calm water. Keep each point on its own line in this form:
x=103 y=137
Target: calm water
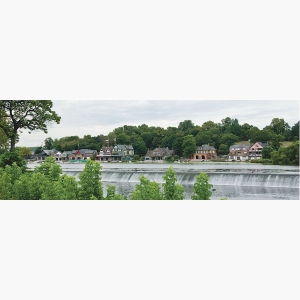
x=231 y=180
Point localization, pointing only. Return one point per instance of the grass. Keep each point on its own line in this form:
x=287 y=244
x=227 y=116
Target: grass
x=284 y=144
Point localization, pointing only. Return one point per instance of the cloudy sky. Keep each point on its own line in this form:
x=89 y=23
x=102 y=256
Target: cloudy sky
x=101 y=117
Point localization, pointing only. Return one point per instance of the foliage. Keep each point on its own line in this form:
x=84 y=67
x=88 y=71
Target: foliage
x=8 y=158
x=90 y=181
x=24 y=152
x=223 y=149
x=189 y=145
x=275 y=142
x=261 y=161
x=286 y=156
x=295 y=131
x=48 y=143
x=146 y=190
x=26 y=114
x=111 y=193
x=3 y=139
x=202 y=188
x=50 y=169
x=38 y=150
x=266 y=152
x=186 y=125
x=228 y=139
x=171 y=189
x=139 y=147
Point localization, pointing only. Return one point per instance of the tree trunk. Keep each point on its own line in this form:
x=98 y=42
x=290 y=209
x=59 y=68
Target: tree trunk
x=13 y=142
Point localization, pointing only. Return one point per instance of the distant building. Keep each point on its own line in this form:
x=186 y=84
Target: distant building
x=238 y=152
x=82 y=154
x=105 y=154
x=205 y=152
x=122 y=152
x=256 y=149
x=159 y=154
x=46 y=153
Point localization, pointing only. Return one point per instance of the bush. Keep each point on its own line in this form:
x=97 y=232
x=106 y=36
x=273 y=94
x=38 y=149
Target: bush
x=8 y=158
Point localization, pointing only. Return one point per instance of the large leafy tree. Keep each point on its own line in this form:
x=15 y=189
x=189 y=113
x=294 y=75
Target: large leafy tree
x=189 y=146
x=26 y=114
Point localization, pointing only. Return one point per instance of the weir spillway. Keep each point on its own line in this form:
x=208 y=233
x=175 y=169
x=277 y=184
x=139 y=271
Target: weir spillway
x=230 y=180
x=188 y=177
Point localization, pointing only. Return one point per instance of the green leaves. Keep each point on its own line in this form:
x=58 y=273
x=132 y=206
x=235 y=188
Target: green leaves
x=47 y=182
x=146 y=190
x=172 y=190
x=201 y=188
x=90 y=181
x=189 y=146
x=27 y=114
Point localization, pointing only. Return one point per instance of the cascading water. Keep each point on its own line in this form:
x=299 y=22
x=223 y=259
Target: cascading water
x=231 y=181
x=216 y=178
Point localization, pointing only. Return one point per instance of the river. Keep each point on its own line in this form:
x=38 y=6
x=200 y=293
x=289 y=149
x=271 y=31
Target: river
x=242 y=181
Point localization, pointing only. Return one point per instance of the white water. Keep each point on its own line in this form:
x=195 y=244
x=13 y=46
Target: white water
x=232 y=181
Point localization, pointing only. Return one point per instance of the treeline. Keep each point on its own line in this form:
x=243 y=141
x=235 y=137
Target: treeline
x=47 y=182
x=280 y=156
x=183 y=138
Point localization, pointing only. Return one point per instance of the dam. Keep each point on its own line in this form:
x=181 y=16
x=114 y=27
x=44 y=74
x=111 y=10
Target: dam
x=241 y=181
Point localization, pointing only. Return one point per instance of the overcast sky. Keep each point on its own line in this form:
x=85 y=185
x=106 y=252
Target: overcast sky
x=101 y=117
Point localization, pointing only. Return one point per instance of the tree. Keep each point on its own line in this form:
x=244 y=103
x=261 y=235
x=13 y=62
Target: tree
x=228 y=139
x=202 y=188
x=275 y=141
x=111 y=193
x=279 y=126
x=8 y=158
x=3 y=140
x=177 y=143
x=172 y=190
x=24 y=152
x=139 y=147
x=286 y=156
x=26 y=114
x=245 y=131
x=38 y=150
x=223 y=149
x=90 y=181
x=189 y=146
x=295 y=131
x=50 y=169
x=186 y=125
x=146 y=190
x=266 y=152
x=48 y=143
x=229 y=125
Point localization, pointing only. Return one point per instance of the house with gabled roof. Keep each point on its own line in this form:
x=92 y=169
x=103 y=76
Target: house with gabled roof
x=159 y=154
x=105 y=154
x=122 y=152
x=256 y=149
x=204 y=152
x=82 y=154
x=46 y=153
x=238 y=152
x=66 y=155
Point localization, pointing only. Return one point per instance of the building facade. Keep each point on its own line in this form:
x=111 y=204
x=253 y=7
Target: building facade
x=159 y=154
x=204 y=152
x=238 y=152
x=256 y=149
